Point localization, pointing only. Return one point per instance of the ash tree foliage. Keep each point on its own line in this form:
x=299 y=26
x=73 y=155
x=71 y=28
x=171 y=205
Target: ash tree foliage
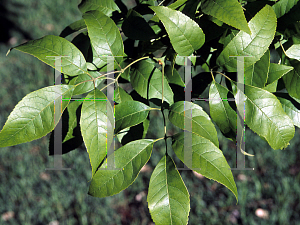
x=148 y=42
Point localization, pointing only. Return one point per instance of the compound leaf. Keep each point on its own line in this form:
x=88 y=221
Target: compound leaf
x=168 y=198
x=33 y=117
x=121 y=95
x=129 y=160
x=185 y=34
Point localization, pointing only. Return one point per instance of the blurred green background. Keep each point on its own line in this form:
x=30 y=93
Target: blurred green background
x=31 y=195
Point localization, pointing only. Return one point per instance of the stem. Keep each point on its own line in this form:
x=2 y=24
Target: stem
x=282 y=48
x=223 y=75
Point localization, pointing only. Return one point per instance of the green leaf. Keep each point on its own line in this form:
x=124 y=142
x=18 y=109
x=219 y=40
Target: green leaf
x=173 y=76
x=121 y=95
x=276 y=71
x=291 y=107
x=86 y=86
x=283 y=6
x=294 y=52
x=105 y=6
x=265 y=116
x=72 y=64
x=130 y=113
x=71 y=135
x=135 y=27
x=33 y=117
x=262 y=27
x=144 y=74
x=220 y=110
x=184 y=33
x=257 y=74
x=228 y=11
x=292 y=81
x=129 y=160
x=73 y=27
x=96 y=124
x=105 y=36
x=168 y=198
x=201 y=122
x=176 y=4
x=207 y=157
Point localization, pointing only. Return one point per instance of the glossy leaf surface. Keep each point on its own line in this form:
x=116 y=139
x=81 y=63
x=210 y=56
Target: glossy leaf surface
x=283 y=6
x=33 y=117
x=145 y=74
x=265 y=116
x=291 y=106
x=200 y=121
x=96 y=124
x=47 y=47
x=185 y=34
x=220 y=110
x=105 y=6
x=129 y=160
x=294 y=52
x=207 y=157
x=262 y=27
x=228 y=11
x=168 y=198
x=292 y=81
x=257 y=74
x=121 y=95
x=105 y=36
x=130 y=113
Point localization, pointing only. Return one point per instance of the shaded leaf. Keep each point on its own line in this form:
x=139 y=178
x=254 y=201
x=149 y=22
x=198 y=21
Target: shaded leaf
x=262 y=27
x=173 y=76
x=135 y=27
x=291 y=107
x=201 y=122
x=73 y=27
x=257 y=74
x=96 y=124
x=220 y=110
x=207 y=157
x=292 y=81
x=121 y=95
x=228 y=11
x=71 y=135
x=129 y=160
x=283 y=6
x=184 y=33
x=33 y=117
x=168 y=198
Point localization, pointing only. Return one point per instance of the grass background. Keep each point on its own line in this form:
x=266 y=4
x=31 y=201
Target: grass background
x=31 y=195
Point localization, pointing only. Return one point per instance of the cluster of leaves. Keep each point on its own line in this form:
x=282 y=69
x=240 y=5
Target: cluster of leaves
x=147 y=42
